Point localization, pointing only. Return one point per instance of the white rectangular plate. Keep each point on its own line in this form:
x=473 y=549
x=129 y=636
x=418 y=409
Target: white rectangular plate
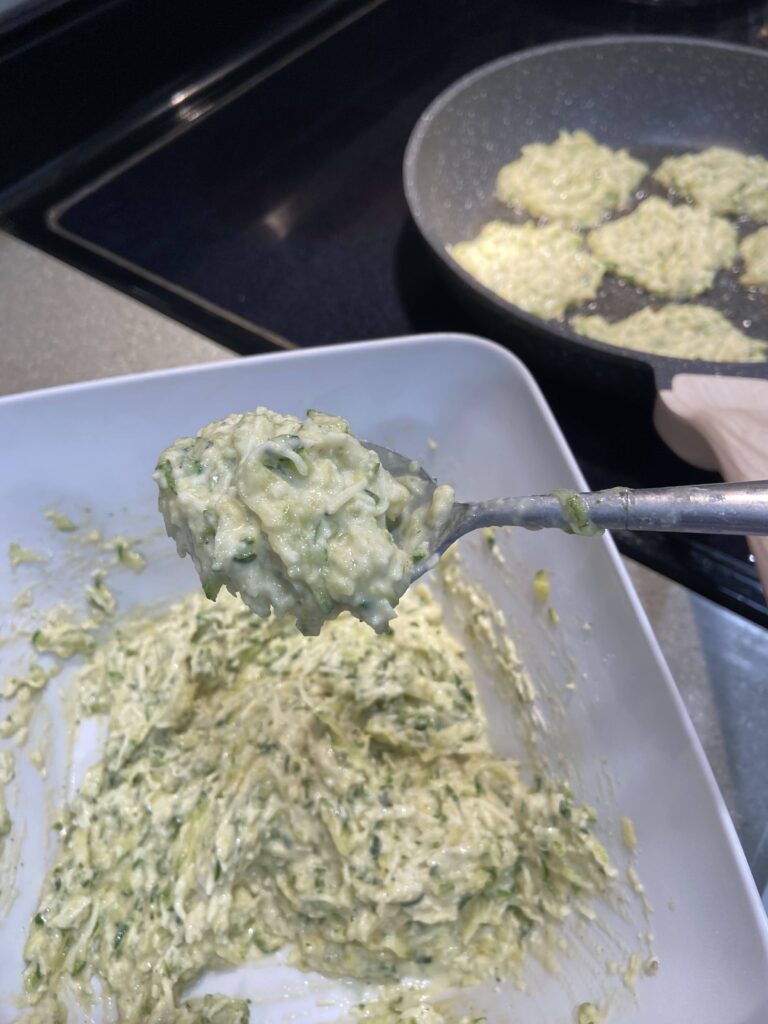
x=95 y=445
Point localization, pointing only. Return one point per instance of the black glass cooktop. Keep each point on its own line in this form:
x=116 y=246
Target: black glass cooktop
x=263 y=205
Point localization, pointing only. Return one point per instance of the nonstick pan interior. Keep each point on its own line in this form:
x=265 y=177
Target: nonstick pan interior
x=655 y=96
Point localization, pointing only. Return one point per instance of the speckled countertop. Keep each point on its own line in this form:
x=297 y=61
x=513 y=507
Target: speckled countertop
x=59 y=326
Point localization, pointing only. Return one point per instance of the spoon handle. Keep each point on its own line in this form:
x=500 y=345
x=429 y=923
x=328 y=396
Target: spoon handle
x=735 y=508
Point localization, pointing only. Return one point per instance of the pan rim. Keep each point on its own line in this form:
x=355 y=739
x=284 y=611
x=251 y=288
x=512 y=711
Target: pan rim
x=666 y=366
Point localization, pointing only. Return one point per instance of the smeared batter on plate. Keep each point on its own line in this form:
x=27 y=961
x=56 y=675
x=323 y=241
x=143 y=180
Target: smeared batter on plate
x=335 y=795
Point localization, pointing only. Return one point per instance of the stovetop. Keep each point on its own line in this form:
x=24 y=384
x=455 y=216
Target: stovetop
x=263 y=205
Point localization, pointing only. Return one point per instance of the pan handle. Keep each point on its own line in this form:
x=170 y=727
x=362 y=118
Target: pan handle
x=720 y=423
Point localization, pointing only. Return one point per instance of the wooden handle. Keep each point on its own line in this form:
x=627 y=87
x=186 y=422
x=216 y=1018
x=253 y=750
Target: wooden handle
x=720 y=423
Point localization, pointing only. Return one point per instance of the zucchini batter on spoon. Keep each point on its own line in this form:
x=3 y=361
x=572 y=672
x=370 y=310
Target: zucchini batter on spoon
x=296 y=516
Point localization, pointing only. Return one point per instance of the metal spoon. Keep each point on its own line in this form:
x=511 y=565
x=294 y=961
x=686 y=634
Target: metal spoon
x=740 y=508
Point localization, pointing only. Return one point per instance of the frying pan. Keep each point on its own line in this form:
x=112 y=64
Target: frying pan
x=656 y=96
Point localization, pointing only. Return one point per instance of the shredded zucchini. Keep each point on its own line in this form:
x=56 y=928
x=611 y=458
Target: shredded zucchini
x=336 y=795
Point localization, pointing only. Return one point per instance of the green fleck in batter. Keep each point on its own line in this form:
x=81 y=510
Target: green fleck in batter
x=99 y=596
x=576 y=513
x=61 y=635
x=126 y=553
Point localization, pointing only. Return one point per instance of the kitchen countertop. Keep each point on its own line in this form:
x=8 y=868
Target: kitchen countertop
x=61 y=326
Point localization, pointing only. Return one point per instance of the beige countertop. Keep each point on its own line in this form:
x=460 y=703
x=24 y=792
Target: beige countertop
x=59 y=326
